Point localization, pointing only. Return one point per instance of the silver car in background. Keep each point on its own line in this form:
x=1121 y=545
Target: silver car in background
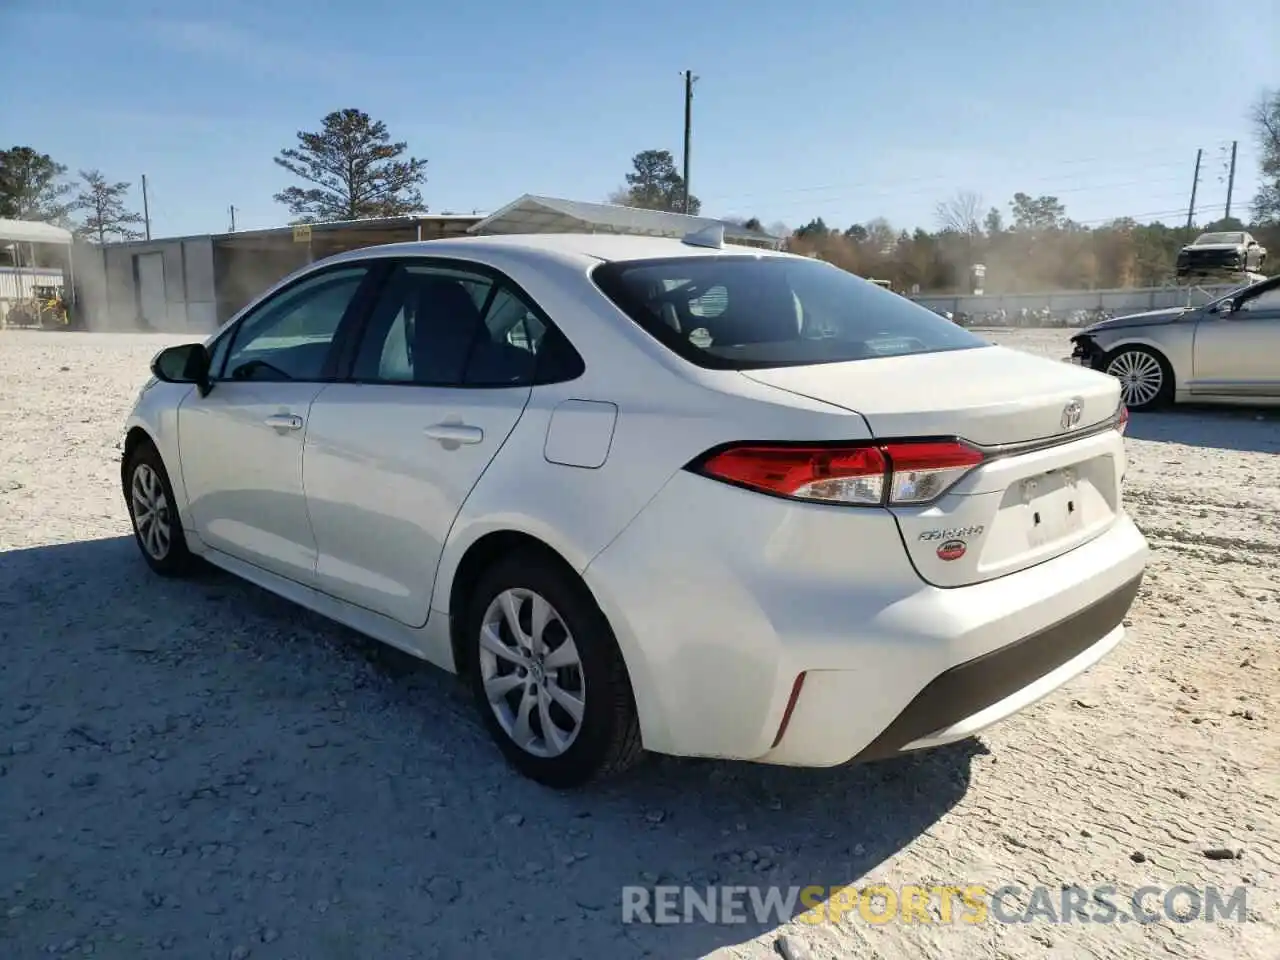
x=1227 y=351
x=1232 y=252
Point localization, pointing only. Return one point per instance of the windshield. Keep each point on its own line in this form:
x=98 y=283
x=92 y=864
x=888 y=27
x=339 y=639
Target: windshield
x=738 y=313
x=1206 y=238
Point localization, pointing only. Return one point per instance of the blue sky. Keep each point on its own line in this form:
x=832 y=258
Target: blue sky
x=844 y=109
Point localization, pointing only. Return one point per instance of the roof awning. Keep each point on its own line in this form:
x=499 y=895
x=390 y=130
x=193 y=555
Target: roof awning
x=32 y=231
x=535 y=214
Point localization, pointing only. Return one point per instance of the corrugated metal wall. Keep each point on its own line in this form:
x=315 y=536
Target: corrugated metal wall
x=16 y=283
x=177 y=275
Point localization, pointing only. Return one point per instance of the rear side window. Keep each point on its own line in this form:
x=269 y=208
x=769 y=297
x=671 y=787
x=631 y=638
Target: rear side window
x=423 y=327
x=743 y=312
x=437 y=325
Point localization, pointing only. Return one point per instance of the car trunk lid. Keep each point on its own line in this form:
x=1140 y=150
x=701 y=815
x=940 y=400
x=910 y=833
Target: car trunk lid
x=1051 y=478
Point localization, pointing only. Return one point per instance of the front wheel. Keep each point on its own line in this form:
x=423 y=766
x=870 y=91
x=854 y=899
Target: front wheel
x=152 y=508
x=547 y=674
x=1146 y=379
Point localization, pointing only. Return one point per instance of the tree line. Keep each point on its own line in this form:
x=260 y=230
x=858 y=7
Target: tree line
x=33 y=186
x=1038 y=248
x=350 y=168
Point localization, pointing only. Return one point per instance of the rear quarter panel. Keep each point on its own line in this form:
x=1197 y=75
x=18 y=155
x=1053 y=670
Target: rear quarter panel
x=669 y=411
x=663 y=422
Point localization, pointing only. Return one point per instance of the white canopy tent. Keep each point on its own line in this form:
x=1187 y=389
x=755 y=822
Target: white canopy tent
x=32 y=231
x=14 y=233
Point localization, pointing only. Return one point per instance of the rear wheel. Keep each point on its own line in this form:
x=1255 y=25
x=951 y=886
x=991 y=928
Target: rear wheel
x=1146 y=379
x=547 y=674
x=156 y=524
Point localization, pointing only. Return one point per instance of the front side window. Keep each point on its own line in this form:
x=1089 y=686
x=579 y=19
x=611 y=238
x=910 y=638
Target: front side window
x=1268 y=299
x=737 y=313
x=289 y=336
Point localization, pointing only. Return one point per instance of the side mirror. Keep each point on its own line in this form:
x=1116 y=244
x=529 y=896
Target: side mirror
x=186 y=363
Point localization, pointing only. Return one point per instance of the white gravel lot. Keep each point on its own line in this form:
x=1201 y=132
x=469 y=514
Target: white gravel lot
x=202 y=770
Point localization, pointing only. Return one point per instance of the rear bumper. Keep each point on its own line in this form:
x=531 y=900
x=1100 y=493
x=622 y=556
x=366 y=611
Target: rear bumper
x=979 y=692
x=720 y=598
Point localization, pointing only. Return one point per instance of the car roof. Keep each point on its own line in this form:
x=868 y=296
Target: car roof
x=587 y=248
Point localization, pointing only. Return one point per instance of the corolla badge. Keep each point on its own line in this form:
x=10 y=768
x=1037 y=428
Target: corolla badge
x=1071 y=413
x=952 y=533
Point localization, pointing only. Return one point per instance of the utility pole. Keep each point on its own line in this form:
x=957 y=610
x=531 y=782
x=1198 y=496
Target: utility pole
x=1231 y=178
x=1191 y=208
x=146 y=209
x=233 y=217
x=689 y=78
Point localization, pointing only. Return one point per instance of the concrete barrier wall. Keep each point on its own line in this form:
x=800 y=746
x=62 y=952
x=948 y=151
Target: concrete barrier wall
x=1061 y=302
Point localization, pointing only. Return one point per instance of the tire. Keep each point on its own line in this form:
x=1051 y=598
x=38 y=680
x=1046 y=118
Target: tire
x=1146 y=379
x=606 y=741
x=156 y=525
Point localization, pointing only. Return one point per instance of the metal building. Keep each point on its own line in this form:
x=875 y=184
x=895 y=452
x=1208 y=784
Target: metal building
x=197 y=283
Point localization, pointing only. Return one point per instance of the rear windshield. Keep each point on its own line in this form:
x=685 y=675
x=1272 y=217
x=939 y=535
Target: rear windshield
x=742 y=312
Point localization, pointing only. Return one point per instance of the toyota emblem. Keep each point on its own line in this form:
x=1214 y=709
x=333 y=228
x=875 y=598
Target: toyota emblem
x=1071 y=414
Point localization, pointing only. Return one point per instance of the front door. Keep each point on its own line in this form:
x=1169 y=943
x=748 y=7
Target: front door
x=241 y=446
x=439 y=380
x=1237 y=354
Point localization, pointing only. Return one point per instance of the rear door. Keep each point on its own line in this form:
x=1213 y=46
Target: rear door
x=391 y=454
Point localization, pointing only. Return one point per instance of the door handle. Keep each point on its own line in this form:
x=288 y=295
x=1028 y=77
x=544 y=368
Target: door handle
x=284 y=421
x=453 y=433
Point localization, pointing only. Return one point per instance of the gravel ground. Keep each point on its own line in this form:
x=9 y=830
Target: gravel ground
x=202 y=770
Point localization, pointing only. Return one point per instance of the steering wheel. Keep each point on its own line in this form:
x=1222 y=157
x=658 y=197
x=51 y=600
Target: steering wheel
x=249 y=369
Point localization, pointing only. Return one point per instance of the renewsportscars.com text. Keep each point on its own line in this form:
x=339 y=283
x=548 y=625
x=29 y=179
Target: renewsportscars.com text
x=941 y=904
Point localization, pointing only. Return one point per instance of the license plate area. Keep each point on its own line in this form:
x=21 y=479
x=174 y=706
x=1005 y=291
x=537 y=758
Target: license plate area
x=1053 y=506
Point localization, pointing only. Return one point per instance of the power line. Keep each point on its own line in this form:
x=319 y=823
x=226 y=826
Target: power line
x=809 y=203
x=1149 y=215
x=1125 y=164
x=1144 y=218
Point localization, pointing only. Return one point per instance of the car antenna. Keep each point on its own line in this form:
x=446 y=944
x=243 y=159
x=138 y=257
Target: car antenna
x=712 y=236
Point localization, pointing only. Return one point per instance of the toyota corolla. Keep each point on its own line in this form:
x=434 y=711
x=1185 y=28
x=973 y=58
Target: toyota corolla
x=646 y=494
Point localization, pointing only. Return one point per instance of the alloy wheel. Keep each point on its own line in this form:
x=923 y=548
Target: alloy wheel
x=151 y=512
x=1140 y=377
x=531 y=672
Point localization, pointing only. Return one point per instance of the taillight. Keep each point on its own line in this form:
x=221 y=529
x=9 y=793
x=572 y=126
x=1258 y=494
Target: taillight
x=1122 y=418
x=905 y=473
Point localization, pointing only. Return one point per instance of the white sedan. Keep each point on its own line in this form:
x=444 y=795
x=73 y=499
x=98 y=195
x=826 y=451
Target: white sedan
x=652 y=494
